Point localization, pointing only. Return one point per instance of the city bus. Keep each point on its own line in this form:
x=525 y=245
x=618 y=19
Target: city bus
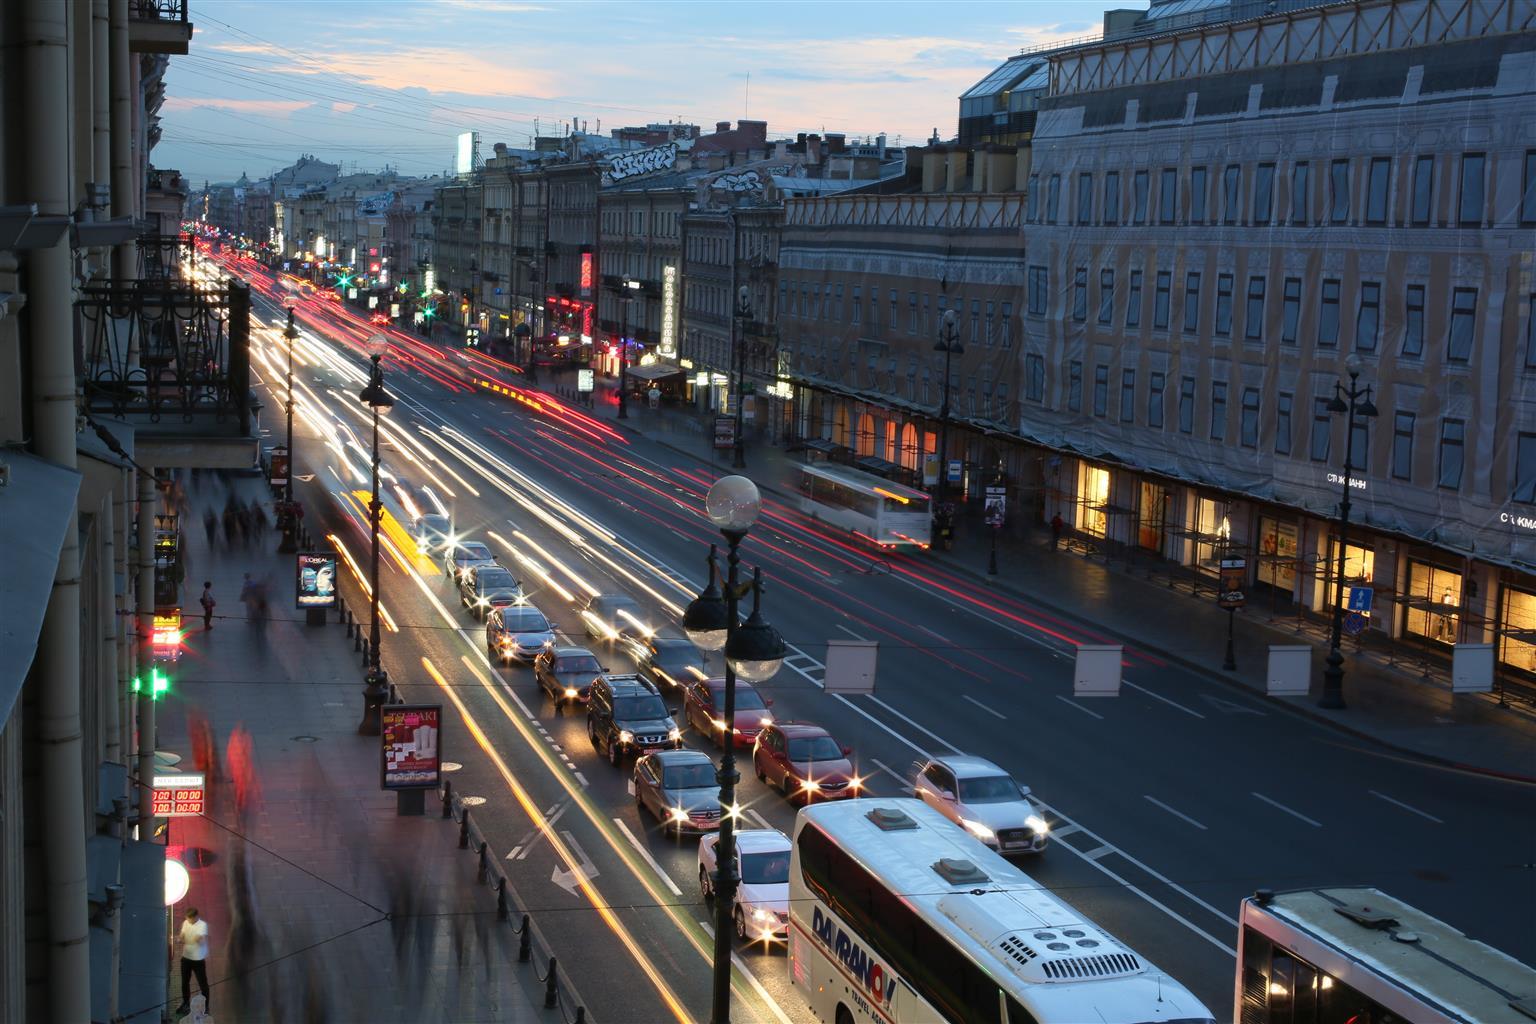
x=1354 y=955
x=897 y=915
x=879 y=510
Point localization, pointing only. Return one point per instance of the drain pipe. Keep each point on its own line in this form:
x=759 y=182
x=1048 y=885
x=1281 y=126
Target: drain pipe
x=144 y=622
x=125 y=264
x=46 y=180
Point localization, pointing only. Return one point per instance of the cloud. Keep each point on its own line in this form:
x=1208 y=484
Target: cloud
x=494 y=6
x=267 y=108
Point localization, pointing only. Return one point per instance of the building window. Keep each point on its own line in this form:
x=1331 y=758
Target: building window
x=1224 y=305
x=1423 y=189
x=1139 y=186
x=1250 y=427
x=1133 y=301
x=1197 y=195
x=837 y=297
x=1433 y=600
x=1160 y=300
x=1402 y=446
x=1283 y=403
x=1080 y=294
x=1528 y=194
x=1218 y=410
x=1264 y=194
x=911 y=312
x=1453 y=438
x=1034 y=377
x=1328 y=316
x=1338 y=192
x=1101 y=390
x=987 y=333
x=1007 y=324
x=1368 y=320
x=1106 y=295
x=874 y=310
x=1458 y=348
x=1231 y=192
x=894 y=322
x=1037 y=291
x=1470 y=201
x=1530 y=333
x=1519 y=618
x=1301 y=192
x=1290 y=311
x=1053 y=199
x=975 y=318
x=1168 y=196
x=1253 y=326
x=1075 y=386
x=1322 y=429
x=1191 y=302
x=1085 y=199
x=1525 y=469
x=1376 y=186
x=1032 y=211
x=1413 y=321
x=1187 y=405
x=1155 y=400
x=1112 y=197
x=858 y=304
x=1127 y=396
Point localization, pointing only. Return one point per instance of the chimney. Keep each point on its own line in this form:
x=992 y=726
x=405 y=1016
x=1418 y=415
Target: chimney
x=800 y=138
x=1001 y=172
x=500 y=148
x=722 y=126
x=880 y=145
x=957 y=167
x=933 y=169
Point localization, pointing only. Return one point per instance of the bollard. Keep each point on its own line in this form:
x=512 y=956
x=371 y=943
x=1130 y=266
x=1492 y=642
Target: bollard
x=357 y=640
x=524 y=942
x=581 y=1015
x=551 y=988
x=447 y=798
x=483 y=869
x=501 y=898
x=464 y=829
x=365 y=653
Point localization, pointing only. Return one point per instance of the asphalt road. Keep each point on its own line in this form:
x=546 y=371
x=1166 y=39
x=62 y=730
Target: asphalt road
x=1168 y=803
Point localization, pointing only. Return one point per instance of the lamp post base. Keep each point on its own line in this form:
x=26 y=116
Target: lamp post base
x=375 y=694
x=1333 y=683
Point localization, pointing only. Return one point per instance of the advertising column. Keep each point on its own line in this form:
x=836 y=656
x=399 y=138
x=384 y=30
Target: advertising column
x=412 y=753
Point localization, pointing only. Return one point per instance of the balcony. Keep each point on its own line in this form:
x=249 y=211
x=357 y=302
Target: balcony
x=158 y=26
x=160 y=256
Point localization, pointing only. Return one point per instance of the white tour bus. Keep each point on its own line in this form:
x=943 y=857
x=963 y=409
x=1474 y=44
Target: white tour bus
x=1354 y=954
x=877 y=509
x=898 y=915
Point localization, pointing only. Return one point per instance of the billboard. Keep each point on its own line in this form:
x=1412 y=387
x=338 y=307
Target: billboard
x=315 y=579
x=464 y=161
x=412 y=758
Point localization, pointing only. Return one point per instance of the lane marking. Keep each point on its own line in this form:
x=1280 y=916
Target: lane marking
x=925 y=731
x=1100 y=852
x=1281 y=807
x=887 y=769
x=1165 y=700
x=1406 y=807
x=640 y=849
x=1069 y=702
x=973 y=700
x=1059 y=833
x=850 y=632
x=1176 y=814
x=761 y=821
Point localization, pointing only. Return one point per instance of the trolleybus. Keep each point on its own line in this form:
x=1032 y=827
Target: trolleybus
x=899 y=915
x=879 y=510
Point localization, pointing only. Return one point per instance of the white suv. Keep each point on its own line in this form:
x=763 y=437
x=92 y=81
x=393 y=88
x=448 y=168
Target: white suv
x=982 y=798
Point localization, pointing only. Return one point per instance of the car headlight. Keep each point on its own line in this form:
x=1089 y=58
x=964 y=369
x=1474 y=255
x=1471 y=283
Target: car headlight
x=625 y=736
x=810 y=785
x=675 y=733
x=765 y=720
x=977 y=829
x=1037 y=823
x=855 y=783
x=679 y=814
x=570 y=691
x=718 y=723
x=760 y=915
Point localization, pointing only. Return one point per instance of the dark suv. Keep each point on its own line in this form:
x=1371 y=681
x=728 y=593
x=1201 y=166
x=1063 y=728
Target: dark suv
x=624 y=716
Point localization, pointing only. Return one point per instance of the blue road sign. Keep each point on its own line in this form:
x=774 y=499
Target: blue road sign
x=1360 y=599
x=1354 y=623
x=955 y=471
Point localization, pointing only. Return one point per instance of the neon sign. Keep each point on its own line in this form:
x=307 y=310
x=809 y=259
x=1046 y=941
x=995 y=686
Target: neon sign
x=668 y=347
x=586 y=275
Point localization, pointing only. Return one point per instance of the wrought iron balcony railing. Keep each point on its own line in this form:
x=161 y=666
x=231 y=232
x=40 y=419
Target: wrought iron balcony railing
x=158 y=10
x=160 y=256
x=166 y=348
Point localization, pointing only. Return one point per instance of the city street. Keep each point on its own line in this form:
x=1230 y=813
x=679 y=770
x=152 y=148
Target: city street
x=1168 y=803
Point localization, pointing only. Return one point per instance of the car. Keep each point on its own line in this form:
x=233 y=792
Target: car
x=612 y=616
x=984 y=800
x=566 y=673
x=669 y=662
x=462 y=556
x=625 y=715
x=678 y=787
x=432 y=532
x=762 y=896
x=484 y=587
x=518 y=632
x=703 y=703
x=381 y=319
x=804 y=762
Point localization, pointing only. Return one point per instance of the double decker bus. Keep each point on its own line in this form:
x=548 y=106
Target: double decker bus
x=898 y=915
x=879 y=510
x=1354 y=955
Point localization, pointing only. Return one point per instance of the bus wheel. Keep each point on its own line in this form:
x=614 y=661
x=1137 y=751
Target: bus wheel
x=843 y=1016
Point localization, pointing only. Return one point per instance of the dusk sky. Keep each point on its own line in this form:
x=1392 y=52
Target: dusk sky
x=393 y=81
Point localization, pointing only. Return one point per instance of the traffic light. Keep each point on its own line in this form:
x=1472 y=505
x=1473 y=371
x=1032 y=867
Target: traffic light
x=159 y=683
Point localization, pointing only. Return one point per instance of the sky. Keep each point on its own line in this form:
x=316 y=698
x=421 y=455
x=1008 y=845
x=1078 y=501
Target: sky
x=392 y=82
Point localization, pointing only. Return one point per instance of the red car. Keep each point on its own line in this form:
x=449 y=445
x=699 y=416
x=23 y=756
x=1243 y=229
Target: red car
x=804 y=762
x=702 y=704
x=381 y=319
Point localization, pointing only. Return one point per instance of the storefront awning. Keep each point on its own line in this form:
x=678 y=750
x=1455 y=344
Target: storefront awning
x=36 y=509
x=654 y=371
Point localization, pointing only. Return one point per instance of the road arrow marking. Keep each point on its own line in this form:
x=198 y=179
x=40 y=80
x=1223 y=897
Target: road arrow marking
x=583 y=872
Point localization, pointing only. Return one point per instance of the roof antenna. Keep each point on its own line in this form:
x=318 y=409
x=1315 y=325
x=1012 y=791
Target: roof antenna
x=746 y=103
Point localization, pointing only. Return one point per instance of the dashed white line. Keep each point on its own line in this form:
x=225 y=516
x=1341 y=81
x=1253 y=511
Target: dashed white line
x=1176 y=814
x=640 y=849
x=1165 y=700
x=1406 y=807
x=1277 y=805
x=757 y=818
x=582 y=779
x=926 y=732
x=973 y=700
x=887 y=769
x=1069 y=702
x=1100 y=852
x=850 y=632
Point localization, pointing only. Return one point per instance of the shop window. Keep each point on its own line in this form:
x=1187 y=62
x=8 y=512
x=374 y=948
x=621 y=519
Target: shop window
x=1517 y=632
x=1434 y=603
x=1359 y=568
x=1213 y=532
x=1277 y=554
x=1092 y=500
x=1151 y=516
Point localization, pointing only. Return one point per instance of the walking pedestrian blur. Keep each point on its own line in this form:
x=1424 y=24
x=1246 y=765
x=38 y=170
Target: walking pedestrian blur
x=258 y=519
x=230 y=525
x=211 y=525
x=248 y=597
x=243 y=519
x=194 y=960
x=241 y=755
x=208 y=604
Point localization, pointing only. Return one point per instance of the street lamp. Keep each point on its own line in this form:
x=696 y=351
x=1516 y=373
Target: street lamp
x=376 y=690
x=949 y=344
x=739 y=326
x=1353 y=401
x=754 y=650
x=289 y=543
x=628 y=285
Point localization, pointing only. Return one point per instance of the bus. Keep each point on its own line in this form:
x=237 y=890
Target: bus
x=897 y=915
x=882 y=512
x=1354 y=955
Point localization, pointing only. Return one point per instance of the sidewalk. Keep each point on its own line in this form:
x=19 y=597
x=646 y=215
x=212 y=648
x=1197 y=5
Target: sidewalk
x=1402 y=705
x=322 y=903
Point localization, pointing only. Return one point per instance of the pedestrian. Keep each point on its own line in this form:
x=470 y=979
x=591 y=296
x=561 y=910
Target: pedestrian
x=1057 y=524
x=208 y=604
x=230 y=526
x=248 y=597
x=211 y=525
x=258 y=519
x=194 y=959
x=243 y=519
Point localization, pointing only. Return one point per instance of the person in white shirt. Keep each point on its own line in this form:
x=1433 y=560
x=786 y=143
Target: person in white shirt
x=194 y=959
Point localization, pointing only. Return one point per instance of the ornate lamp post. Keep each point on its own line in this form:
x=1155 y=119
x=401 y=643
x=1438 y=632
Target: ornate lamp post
x=628 y=285
x=289 y=543
x=376 y=689
x=739 y=329
x=754 y=650
x=1354 y=401
x=949 y=344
